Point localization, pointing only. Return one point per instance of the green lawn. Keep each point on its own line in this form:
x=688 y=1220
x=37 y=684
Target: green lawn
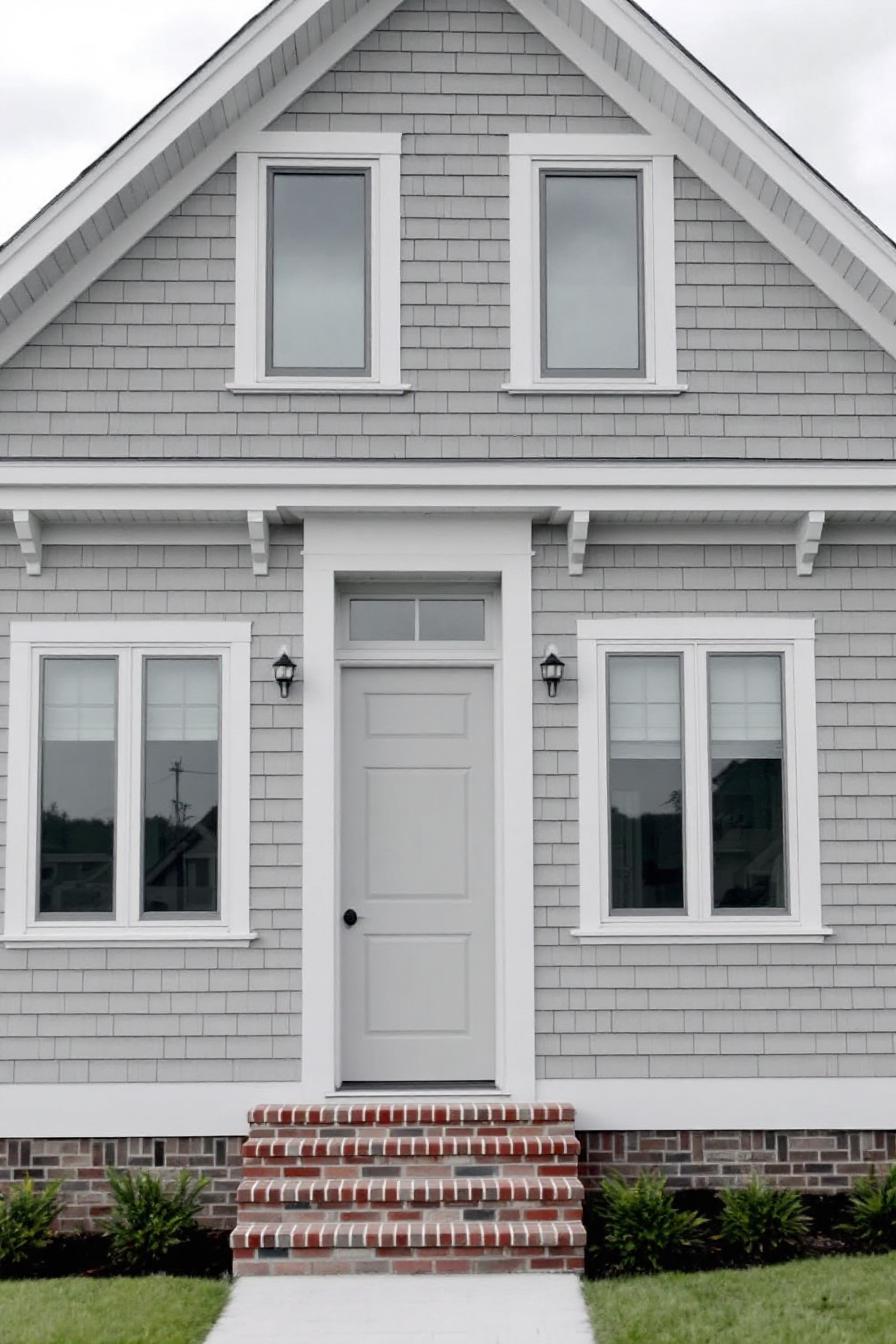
x=837 y=1300
x=110 y=1311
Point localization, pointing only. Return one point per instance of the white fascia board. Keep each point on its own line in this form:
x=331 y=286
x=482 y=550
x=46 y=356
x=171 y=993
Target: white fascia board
x=183 y=1110
x=675 y=492
x=744 y=129
x=98 y=260
x=845 y=1103
x=814 y=268
x=151 y=136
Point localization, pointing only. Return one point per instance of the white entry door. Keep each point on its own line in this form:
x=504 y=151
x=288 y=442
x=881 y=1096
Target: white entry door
x=417 y=970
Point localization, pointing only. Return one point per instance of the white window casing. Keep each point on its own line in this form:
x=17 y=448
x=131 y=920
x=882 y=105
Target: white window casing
x=380 y=155
x=652 y=161
x=129 y=642
x=693 y=639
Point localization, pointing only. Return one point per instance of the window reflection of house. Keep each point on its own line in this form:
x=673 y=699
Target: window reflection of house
x=186 y=864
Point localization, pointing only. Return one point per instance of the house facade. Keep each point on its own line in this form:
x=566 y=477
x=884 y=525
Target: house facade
x=421 y=342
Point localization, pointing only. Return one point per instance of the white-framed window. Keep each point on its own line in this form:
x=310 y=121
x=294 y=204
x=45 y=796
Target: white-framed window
x=318 y=240
x=592 y=264
x=698 y=779
x=129 y=748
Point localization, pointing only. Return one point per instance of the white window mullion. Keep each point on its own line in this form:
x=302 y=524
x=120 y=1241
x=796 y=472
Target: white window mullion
x=700 y=880
x=123 y=790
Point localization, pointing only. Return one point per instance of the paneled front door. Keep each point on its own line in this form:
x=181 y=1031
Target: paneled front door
x=417 y=969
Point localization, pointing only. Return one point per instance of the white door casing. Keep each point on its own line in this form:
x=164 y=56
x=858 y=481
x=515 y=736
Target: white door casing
x=417 y=869
x=489 y=547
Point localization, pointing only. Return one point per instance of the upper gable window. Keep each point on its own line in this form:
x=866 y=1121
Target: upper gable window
x=592 y=265
x=317 y=277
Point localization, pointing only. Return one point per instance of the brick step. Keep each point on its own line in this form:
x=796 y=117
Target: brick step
x=399 y=1235
x=261 y=1152
x=401 y=1261
x=414 y=1113
x=422 y=1191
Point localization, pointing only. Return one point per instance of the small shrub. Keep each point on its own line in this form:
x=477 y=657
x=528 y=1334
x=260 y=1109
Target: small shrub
x=871 y=1221
x=642 y=1230
x=149 y=1221
x=760 y=1224
x=26 y=1217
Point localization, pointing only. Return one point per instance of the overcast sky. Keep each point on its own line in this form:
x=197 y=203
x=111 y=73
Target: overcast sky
x=76 y=74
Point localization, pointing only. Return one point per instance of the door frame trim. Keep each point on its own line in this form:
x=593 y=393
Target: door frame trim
x=338 y=547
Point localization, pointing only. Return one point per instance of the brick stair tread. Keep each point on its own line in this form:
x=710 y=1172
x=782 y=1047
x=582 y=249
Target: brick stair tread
x=359 y=1235
x=415 y=1113
x=399 y=1190
x=358 y=1147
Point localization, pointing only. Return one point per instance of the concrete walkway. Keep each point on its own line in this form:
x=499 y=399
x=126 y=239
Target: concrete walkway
x=460 y=1309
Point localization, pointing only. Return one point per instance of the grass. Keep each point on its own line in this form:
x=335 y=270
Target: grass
x=835 y=1300
x=156 y=1310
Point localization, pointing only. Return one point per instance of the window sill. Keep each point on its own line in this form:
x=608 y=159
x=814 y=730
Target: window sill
x=701 y=931
x=317 y=386
x=605 y=388
x=91 y=936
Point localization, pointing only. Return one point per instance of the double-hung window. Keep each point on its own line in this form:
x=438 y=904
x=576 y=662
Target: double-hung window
x=317 y=263
x=592 y=264
x=129 y=747
x=698 y=779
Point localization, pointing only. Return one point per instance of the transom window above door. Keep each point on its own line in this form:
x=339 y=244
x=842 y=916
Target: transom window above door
x=442 y=620
x=698 y=779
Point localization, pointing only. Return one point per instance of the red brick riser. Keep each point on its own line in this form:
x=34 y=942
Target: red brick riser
x=413 y=1188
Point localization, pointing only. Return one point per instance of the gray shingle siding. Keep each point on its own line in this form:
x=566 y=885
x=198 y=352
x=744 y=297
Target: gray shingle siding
x=178 y=1013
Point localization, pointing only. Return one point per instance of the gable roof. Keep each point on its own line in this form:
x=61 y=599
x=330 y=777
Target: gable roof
x=290 y=44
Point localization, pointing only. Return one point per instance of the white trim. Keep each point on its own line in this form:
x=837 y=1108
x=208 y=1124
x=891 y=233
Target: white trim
x=380 y=153
x=131 y=641
x=184 y=1110
x=160 y=203
x=737 y=1103
x=484 y=546
x=644 y=155
x=692 y=637
x=259 y=540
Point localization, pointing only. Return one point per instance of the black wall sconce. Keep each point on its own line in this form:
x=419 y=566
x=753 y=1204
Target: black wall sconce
x=284 y=671
x=552 y=670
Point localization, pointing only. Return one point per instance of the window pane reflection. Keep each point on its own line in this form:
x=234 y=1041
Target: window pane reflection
x=318 y=272
x=381 y=618
x=746 y=729
x=77 y=786
x=452 y=618
x=180 y=790
x=591 y=283
x=645 y=779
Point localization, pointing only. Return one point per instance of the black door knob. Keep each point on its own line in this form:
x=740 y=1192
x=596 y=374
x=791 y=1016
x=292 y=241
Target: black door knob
x=350 y=918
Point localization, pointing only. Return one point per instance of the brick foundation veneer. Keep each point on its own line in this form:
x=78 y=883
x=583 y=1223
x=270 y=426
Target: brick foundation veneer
x=813 y=1160
x=81 y=1165
x=817 y=1160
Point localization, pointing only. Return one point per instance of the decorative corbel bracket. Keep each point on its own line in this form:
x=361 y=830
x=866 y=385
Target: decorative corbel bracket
x=259 y=540
x=577 y=539
x=576 y=521
x=28 y=532
x=808 y=540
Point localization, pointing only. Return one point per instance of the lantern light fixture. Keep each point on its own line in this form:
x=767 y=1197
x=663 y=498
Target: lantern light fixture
x=552 y=670
x=284 y=671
